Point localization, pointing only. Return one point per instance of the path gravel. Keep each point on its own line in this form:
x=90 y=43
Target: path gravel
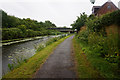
x=60 y=63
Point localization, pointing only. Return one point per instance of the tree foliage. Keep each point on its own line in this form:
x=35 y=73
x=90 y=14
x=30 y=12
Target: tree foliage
x=97 y=23
x=102 y=45
x=80 y=22
x=14 y=27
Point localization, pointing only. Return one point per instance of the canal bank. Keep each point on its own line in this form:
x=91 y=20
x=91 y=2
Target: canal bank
x=24 y=40
x=28 y=69
x=24 y=49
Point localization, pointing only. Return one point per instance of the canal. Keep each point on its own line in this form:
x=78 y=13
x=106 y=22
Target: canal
x=20 y=50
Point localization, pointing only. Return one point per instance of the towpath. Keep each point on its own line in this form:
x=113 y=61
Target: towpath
x=59 y=64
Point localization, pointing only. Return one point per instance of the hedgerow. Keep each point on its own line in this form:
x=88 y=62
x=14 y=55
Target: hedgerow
x=100 y=44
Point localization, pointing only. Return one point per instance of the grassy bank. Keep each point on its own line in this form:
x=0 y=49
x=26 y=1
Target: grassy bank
x=31 y=38
x=27 y=69
x=11 y=40
x=84 y=68
x=90 y=65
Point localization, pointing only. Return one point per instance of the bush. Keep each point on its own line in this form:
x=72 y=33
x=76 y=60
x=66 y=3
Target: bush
x=102 y=47
x=83 y=36
x=106 y=47
x=11 y=33
x=95 y=25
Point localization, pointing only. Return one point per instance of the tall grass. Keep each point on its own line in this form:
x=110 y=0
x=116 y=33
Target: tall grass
x=102 y=51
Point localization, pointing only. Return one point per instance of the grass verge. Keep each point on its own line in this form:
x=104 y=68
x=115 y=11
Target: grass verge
x=84 y=68
x=98 y=68
x=33 y=64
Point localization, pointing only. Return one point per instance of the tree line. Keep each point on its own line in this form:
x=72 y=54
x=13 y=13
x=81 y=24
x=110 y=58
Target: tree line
x=14 y=27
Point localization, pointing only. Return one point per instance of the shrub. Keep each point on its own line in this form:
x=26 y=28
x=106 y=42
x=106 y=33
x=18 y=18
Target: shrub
x=102 y=47
x=11 y=33
x=106 y=47
x=98 y=23
x=83 y=36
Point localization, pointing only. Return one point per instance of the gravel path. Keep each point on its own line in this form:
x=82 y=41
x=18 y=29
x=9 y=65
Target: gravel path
x=59 y=64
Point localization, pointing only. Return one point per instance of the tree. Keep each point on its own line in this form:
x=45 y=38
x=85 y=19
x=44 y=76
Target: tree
x=49 y=24
x=4 y=19
x=22 y=27
x=14 y=27
x=80 y=22
x=64 y=27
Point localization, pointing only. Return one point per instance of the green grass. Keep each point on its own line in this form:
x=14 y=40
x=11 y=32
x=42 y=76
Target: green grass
x=106 y=69
x=27 y=70
x=83 y=66
x=99 y=64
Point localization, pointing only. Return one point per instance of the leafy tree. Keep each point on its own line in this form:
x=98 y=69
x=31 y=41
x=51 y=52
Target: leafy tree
x=80 y=22
x=49 y=24
x=22 y=27
x=14 y=27
x=64 y=27
x=4 y=19
x=11 y=33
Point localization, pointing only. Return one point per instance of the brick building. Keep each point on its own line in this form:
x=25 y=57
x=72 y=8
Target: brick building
x=105 y=8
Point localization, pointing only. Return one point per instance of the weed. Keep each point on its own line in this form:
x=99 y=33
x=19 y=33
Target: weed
x=10 y=66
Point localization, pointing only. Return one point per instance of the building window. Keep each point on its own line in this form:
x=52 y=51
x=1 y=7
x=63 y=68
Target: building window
x=109 y=7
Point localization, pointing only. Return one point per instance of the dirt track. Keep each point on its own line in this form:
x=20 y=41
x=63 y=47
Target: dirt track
x=59 y=64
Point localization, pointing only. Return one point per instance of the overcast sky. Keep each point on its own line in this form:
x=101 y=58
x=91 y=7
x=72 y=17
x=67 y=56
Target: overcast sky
x=60 y=12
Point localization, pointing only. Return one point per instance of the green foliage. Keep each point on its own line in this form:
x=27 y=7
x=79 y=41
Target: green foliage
x=22 y=27
x=83 y=36
x=83 y=66
x=93 y=53
x=80 y=22
x=10 y=66
x=103 y=45
x=14 y=27
x=103 y=49
x=52 y=40
x=111 y=18
x=95 y=24
x=11 y=33
x=29 y=68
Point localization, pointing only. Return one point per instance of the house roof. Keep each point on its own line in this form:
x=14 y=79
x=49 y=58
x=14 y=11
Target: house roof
x=96 y=7
x=105 y=9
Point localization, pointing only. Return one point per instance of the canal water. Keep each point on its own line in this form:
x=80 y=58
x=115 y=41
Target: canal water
x=20 y=50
